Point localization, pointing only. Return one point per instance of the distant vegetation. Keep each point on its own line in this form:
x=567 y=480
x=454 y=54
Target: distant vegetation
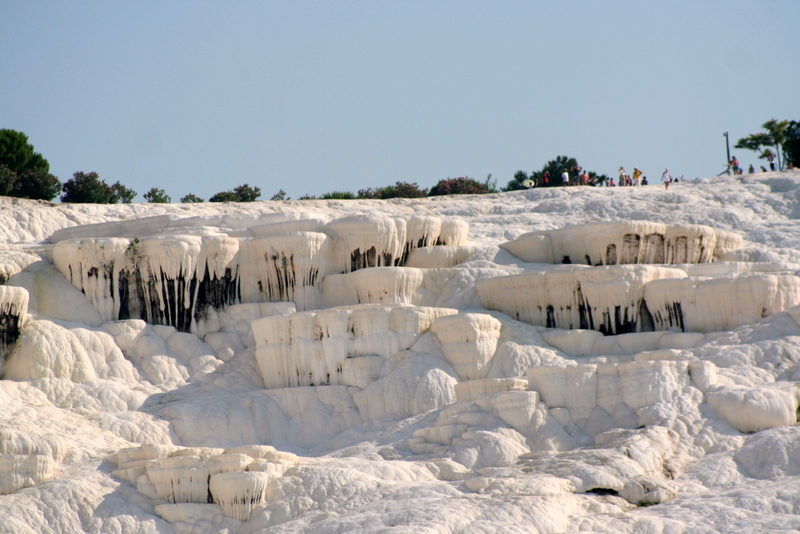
x=24 y=173
x=242 y=193
x=88 y=188
x=783 y=136
x=398 y=190
x=191 y=198
x=550 y=175
x=450 y=186
x=341 y=195
x=461 y=186
x=157 y=196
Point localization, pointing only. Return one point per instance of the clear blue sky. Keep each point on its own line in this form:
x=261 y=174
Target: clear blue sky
x=312 y=97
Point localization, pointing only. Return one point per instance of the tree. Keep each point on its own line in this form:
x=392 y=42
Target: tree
x=369 y=193
x=778 y=133
x=157 y=196
x=463 y=185
x=403 y=190
x=37 y=184
x=517 y=183
x=8 y=179
x=122 y=194
x=88 y=188
x=242 y=193
x=491 y=185
x=27 y=173
x=17 y=153
x=338 y=195
x=224 y=196
x=791 y=147
x=556 y=168
x=398 y=190
x=191 y=198
x=280 y=195
x=247 y=193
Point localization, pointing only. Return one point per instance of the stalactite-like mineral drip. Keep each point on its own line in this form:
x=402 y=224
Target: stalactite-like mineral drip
x=13 y=310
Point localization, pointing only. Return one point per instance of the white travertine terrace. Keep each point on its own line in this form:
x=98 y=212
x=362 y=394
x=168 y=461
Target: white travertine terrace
x=239 y=493
x=627 y=298
x=13 y=260
x=180 y=479
x=753 y=409
x=166 y=359
x=285 y=267
x=608 y=299
x=719 y=304
x=328 y=347
x=172 y=277
x=620 y=243
x=21 y=471
x=362 y=242
x=93 y=266
x=233 y=479
x=469 y=340
x=475 y=389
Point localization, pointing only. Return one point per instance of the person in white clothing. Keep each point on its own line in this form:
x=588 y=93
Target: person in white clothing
x=666 y=178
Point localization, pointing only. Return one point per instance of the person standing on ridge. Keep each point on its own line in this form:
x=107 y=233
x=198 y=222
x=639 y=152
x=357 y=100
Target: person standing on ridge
x=666 y=178
x=771 y=158
x=637 y=176
x=576 y=175
x=735 y=165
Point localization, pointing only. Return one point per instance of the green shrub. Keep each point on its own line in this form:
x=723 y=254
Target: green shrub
x=463 y=185
x=338 y=195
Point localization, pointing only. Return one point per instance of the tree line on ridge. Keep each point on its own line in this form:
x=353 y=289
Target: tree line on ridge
x=24 y=173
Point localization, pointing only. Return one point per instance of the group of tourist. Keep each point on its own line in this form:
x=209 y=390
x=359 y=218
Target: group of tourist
x=733 y=165
x=626 y=179
x=576 y=176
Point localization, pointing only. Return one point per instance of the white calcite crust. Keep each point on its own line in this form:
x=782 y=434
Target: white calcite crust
x=469 y=340
x=173 y=276
x=239 y=493
x=343 y=345
x=608 y=299
x=620 y=243
x=21 y=471
x=532 y=361
x=180 y=479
